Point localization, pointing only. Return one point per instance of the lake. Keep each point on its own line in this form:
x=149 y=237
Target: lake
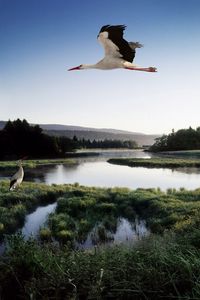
x=96 y=171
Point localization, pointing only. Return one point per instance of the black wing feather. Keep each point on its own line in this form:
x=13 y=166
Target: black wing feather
x=115 y=34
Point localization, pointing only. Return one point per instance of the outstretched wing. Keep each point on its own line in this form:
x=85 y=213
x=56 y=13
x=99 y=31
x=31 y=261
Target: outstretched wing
x=111 y=37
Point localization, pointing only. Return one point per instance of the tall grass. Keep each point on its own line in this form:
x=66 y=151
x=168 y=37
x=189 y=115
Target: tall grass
x=162 y=266
x=157 y=268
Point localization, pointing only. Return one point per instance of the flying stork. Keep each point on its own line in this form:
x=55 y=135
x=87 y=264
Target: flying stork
x=17 y=178
x=118 y=52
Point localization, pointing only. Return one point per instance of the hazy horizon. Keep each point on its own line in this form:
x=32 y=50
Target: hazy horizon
x=86 y=127
x=40 y=40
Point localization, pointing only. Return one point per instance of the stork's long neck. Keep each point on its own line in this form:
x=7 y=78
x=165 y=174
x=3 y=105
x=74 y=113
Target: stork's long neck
x=21 y=170
x=20 y=167
x=90 y=66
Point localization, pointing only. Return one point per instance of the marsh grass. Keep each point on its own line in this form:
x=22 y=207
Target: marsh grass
x=158 y=268
x=30 y=164
x=156 y=162
x=164 y=265
x=81 y=209
x=173 y=209
x=15 y=205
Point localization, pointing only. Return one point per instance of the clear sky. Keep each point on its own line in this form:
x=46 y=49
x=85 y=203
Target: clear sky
x=41 y=39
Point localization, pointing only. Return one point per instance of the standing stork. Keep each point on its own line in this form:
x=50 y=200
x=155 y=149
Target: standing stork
x=118 y=52
x=17 y=178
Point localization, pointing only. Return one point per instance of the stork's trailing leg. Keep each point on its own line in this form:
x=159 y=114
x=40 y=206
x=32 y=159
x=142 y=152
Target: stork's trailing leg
x=150 y=69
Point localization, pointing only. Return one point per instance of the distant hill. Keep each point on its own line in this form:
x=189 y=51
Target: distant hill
x=95 y=133
x=80 y=128
x=141 y=139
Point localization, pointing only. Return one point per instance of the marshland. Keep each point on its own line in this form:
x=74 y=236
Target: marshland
x=76 y=241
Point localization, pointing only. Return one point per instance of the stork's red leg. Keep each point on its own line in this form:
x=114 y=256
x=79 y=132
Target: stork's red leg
x=150 y=69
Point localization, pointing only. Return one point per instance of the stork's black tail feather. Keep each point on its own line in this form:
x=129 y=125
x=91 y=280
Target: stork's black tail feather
x=135 y=45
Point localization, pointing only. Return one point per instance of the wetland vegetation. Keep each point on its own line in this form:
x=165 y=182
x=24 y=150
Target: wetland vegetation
x=156 y=162
x=163 y=265
x=33 y=163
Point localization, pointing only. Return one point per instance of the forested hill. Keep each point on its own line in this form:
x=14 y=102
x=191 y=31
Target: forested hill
x=139 y=138
x=94 y=133
x=183 y=139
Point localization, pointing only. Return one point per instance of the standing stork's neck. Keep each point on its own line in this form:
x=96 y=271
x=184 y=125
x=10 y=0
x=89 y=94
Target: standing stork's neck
x=20 y=163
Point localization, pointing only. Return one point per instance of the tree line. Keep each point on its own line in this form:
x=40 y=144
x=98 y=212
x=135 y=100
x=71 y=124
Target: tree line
x=18 y=138
x=183 y=139
x=88 y=144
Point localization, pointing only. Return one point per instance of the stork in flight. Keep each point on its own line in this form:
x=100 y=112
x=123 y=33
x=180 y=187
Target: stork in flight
x=17 y=178
x=118 y=52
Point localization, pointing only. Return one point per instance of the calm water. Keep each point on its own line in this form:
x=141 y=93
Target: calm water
x=35 y=220
x=126 y=231
x=97 y=172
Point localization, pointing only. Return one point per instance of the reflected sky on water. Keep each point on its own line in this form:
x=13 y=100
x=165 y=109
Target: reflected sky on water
x=96 y=171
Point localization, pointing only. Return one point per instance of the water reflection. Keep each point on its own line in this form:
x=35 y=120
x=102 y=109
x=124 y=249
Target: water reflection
x=115 y=230
x=95 y=171
x=35 y=220
x=103 y=174
x=125 y=232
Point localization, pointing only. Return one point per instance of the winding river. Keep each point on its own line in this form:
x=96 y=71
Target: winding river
x=96 y=171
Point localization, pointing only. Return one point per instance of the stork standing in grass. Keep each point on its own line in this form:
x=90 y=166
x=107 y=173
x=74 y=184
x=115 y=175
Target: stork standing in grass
x=118 y=52
x=17 y=178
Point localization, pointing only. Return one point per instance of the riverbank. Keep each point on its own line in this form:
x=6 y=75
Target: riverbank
x=156 y=162
x=80 y=206
x=11 y=165
x=165 y=264
x=181 y=153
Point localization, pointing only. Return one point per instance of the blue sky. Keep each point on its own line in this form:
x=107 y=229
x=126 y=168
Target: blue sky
x=40 y=40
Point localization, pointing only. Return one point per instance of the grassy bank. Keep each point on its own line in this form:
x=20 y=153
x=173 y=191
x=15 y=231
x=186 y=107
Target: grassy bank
x=35 y=163
x=163 y=266
x=156 y=162
x=182 y=153
x=15 y=205
x=79 y=209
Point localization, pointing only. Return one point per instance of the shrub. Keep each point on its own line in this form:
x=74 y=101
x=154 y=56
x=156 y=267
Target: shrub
x=45 y=234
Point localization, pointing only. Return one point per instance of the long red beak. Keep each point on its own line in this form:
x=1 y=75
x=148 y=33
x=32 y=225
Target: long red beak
x=75 y=68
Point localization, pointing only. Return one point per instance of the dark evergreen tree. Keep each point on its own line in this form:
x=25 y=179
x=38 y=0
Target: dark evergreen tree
x=183 y=139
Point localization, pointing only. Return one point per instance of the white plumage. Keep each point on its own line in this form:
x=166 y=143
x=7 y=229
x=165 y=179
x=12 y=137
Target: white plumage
x=17 y=178
x=118 y=52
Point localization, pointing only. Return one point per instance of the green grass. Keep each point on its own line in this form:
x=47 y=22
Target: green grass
x=156 y=162
x=184 y=153
x=78 y=204
x=163 y=266
x=35 y=163
x=79 y=209
x=15 y=205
